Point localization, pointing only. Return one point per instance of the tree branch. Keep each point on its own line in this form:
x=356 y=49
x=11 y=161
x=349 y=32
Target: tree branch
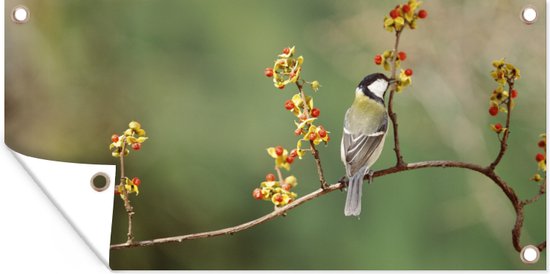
x=487 y=171
x=234 y=229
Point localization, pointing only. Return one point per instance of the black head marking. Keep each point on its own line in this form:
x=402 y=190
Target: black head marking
x=369 y=79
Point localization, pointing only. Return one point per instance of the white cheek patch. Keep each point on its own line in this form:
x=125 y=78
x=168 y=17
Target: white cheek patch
x=378 y=87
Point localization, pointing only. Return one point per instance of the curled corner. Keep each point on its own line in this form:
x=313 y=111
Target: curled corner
x=68 y=185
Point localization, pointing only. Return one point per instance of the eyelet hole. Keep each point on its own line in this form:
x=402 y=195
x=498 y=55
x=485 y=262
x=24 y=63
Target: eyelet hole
x=100 y=182
x=529 y=15
x=20 y=14
x=530 y=254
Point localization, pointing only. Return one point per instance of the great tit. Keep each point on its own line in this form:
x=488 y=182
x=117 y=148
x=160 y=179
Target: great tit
x=365 y=128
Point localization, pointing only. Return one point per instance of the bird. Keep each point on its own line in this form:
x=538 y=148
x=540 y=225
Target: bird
x=365 y=128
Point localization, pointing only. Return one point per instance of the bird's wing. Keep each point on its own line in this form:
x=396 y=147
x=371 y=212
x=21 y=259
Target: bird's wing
x=358 y=148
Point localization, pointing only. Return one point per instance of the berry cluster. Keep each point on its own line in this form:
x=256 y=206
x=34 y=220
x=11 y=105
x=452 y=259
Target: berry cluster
x=134 y=137
x=306 y=114
x=541 y=159
x=283 y=159
x=502 y=100
x=129 y=186
x=287 y=70
x=399 y=17
x=385 y=60
x=404 y=15
x=278 y=192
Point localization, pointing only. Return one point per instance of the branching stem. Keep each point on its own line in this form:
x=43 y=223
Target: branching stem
x=510 y=193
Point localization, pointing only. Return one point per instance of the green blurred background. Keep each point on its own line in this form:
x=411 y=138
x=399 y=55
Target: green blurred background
x=192 y=73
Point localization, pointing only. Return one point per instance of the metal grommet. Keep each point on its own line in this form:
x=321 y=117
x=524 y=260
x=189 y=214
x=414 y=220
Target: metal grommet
x=100 y=181
x=530 y=254
x=529 y=15
x=20 y=14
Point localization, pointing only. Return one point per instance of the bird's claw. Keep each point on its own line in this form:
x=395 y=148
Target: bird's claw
x=370 y=175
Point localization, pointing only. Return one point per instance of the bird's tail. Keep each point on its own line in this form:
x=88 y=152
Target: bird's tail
x=353 y=199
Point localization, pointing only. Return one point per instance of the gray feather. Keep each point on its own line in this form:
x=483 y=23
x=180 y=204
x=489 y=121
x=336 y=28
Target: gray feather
x=353 y=198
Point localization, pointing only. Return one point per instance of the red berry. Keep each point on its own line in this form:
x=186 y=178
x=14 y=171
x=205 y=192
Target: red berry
x=281 y=87
x=514 y=93
x=315 y=112
x=408 y=72
x=312 y=136
x=378 y=59
x=270 y=177
x=293 y=153
x=322 y=133
x=114 y=138
x=268 y=72
x=257 y=194
x=136 y=146
x=136 y=181
x=406 y=8
x=493 y=110
x=279 y=150
x=286 y=50
x=289 y=159
x=394 y=13
x=542 y=143
x=540 y=157
x=298 y=132
x=302 y=116
x=422 y=14
x=498 y=126
x=286 y=186
x=278 y=197
x=289 y=105
x=402 y=55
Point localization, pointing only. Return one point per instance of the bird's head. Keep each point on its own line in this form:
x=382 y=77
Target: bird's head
x=374 y=86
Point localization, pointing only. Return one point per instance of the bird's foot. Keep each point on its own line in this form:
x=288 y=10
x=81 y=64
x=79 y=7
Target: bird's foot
x=370 y=175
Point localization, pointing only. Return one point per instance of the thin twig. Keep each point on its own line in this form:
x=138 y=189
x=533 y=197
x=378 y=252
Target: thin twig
x=315 y=154
x=504 y=140
x=391 y=113
x=314 y=150
x=542 y=191
x=127 y=205
x=279 y=174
